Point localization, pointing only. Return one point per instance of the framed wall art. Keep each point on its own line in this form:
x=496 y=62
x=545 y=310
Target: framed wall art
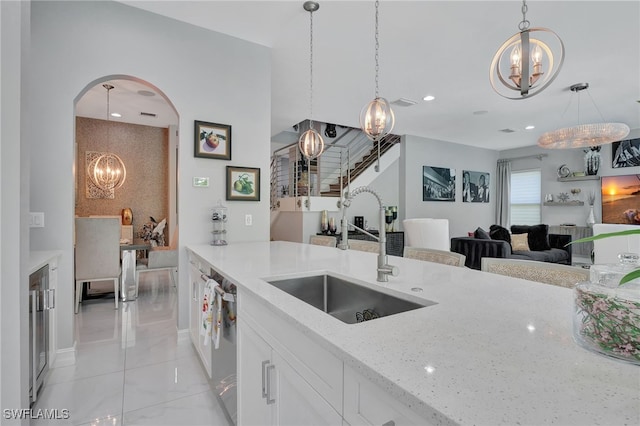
x=243 y=184
x=625 y=153
x=475 y=187
x=438 y=184
x=212 y=140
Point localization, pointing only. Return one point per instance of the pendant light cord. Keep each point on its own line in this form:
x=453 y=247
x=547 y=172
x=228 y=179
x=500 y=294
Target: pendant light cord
x=524 y=24
x=311 y=70
x=377 y=48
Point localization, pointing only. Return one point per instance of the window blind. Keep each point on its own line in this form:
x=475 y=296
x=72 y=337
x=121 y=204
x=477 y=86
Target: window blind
x=525 y=197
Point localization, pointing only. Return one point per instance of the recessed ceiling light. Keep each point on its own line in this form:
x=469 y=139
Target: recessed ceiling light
x=481 y=112
x=116 y=114
x=146 y=93
x=529 y=127
x=428 y=98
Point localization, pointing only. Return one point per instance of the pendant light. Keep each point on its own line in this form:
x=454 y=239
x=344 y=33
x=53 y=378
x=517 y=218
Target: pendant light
x=107 y=171
x=311 y=143
x=584 y=135
x=531 y=58
x=377 y=118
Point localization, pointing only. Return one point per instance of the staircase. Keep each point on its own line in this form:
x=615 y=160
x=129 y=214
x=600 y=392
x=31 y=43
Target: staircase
x=360 y=166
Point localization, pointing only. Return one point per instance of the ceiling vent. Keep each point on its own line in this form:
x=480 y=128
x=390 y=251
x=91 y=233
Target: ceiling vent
x=404 y=102
x=507 y=131
x=148 y=114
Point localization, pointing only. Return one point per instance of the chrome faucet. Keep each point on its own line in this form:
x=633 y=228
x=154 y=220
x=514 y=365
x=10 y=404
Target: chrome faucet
x=384 y=269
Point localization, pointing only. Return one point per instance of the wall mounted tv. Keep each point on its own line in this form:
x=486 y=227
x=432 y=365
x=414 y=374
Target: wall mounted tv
x=621 y=199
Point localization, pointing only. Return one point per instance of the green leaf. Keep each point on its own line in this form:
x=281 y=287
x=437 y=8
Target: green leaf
x=630 y=276
x=606 y=235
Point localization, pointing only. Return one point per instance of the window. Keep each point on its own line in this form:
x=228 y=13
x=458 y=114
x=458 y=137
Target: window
x=525 y=197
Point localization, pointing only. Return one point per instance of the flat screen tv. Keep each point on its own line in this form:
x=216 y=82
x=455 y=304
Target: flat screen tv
x=621 y=199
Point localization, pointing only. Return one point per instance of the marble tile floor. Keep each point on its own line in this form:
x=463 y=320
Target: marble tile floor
x=132 y=366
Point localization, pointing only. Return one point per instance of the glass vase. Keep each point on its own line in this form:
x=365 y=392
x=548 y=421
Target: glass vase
x=607 y=315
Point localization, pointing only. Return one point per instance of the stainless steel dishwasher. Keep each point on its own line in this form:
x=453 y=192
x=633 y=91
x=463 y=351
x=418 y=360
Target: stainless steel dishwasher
x=223 y=359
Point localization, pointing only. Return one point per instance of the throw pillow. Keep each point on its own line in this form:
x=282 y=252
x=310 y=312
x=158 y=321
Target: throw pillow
x=481 y=234
x=519 y=242
x=497 y=232
x=538 y=235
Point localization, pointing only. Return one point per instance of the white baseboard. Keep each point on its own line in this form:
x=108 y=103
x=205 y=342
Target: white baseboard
x=183 y=335
x=65 y=357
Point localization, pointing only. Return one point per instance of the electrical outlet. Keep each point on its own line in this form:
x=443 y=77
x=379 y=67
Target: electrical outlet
x=248 y=220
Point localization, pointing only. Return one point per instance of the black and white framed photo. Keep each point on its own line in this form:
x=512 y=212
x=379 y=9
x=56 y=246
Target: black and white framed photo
x=438 y=184
x=625 y=153
x=475 y=187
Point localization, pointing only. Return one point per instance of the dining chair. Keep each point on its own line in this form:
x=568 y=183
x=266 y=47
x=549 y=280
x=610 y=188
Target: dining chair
x=437 y=256
x=323 y=240
x=364 y=245
x=427 y=233
x=543 y=272
x=97 y=254
x=159 y=258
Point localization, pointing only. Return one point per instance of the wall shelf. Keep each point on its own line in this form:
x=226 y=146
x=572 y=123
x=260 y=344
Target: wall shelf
x=564 y=203
x=576 y=178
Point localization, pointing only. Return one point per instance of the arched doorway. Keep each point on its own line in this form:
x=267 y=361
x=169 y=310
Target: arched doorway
x=144 y=135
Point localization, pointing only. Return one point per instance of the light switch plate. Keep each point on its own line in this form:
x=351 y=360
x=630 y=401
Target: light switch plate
x=201 y=182
x=36 y=220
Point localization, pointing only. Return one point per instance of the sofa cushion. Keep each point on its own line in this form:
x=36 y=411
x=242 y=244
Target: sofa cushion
x=481 y=234
x=498 y=232
x=519 y=242
x=538 y=235
x=555 y=255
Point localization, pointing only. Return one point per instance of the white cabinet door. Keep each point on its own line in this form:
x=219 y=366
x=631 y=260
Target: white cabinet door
x=196 y=298
x=296 y=402
x=254 y=361
x=194 y=311
x=367 y=404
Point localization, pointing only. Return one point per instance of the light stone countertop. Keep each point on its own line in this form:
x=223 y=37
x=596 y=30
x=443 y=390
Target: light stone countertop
x=492 y=350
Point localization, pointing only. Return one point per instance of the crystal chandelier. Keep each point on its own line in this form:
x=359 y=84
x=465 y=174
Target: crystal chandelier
x=107 y=171
x=377 y=118
x=311 y=143
x=584 y=135
x=529 y=62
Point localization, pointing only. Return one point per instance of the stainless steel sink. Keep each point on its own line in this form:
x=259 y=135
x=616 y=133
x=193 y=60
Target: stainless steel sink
x=345 y=300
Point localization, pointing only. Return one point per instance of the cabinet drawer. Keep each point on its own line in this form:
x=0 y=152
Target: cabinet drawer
x=365 y=403
x=320 y=368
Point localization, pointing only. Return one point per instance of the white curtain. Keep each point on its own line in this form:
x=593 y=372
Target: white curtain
x=503 y=189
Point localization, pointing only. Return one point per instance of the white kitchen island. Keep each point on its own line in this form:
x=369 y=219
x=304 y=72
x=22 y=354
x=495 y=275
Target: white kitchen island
x=491 y=350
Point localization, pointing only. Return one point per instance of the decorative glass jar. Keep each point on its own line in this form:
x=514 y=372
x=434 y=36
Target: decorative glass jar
x=607 y=314
x=219 y=219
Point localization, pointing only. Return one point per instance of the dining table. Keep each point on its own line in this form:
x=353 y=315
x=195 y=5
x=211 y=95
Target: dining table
x=128 y=287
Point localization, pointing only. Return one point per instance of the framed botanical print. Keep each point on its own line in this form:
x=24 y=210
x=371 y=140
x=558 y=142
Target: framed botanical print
x=243 y=184
x=212 y=140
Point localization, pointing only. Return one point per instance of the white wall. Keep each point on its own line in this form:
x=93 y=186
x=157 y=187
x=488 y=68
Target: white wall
x=463 y=217
x=14 y=208
x=574 y=159
x=207 y=76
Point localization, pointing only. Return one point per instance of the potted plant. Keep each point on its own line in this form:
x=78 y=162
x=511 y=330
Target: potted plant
x=607 y=309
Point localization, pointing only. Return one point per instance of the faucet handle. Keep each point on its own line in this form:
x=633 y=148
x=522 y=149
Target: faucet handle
x=389 y=270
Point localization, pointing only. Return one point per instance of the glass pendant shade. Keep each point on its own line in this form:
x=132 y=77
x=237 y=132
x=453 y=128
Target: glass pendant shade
x=377 y=119
x=584 y=135
x=311 y=144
